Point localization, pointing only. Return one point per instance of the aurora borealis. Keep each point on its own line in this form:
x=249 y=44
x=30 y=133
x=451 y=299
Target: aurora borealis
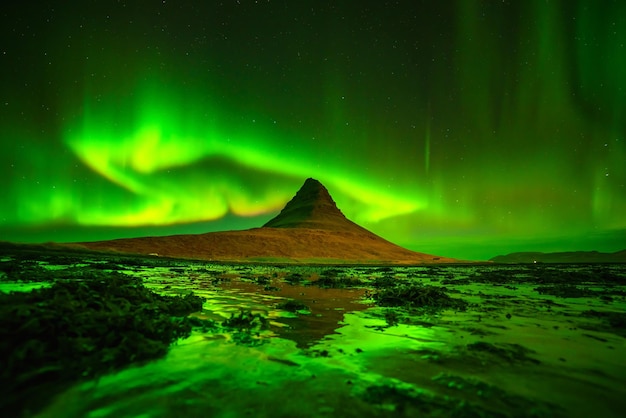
x=461 y=128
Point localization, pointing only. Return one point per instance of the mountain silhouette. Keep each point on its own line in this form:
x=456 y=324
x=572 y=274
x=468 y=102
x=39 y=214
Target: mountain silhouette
x=312 y=207
x=562 y=257
x=309 y=229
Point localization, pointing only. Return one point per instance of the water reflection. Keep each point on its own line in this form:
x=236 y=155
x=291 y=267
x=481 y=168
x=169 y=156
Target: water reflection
x=326 y=307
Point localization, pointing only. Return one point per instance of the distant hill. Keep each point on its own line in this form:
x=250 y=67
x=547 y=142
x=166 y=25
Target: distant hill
x=309 y=229
x=562 y=257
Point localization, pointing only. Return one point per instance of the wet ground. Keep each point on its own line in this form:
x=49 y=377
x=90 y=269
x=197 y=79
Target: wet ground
x=306 y=341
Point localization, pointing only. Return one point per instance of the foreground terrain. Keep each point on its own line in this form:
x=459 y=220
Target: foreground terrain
x=310 y=341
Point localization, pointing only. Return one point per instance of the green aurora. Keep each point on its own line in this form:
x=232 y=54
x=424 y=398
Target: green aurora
x=461 y=128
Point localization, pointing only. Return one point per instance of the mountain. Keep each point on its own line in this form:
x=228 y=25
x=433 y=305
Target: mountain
x=309 y=229
x=562 y=257
x=313 y=208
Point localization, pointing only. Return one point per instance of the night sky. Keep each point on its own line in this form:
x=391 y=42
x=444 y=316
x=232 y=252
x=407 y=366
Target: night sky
x=460 y=128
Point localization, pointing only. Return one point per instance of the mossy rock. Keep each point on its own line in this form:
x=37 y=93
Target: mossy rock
x=78 y=329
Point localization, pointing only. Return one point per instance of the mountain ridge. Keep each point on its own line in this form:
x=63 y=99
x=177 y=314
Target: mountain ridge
x=562 y=257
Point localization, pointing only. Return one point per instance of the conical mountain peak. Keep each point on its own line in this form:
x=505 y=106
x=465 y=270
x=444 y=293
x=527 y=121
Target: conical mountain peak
x=311 y=207
x=310 y=228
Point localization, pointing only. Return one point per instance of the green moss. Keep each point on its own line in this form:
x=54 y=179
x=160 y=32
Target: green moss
x=417 y=296
x=83 y=328
x=246 y=327
x=336 y=282
x=293 y=306
x=246 y=321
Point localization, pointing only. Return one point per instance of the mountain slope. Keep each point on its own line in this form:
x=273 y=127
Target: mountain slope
x=309 y=229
